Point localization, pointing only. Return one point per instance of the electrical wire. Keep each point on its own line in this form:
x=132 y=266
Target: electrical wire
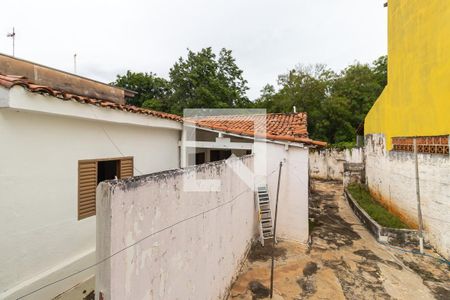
x=112 y=141
x=135 y=243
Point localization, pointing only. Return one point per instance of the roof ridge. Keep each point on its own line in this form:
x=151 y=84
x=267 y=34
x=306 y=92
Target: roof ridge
x=9 y=81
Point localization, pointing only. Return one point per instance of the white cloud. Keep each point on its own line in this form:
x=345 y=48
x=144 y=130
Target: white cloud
x=268 y=37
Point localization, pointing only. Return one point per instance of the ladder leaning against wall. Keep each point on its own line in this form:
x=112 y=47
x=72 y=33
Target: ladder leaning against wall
x=265 y=214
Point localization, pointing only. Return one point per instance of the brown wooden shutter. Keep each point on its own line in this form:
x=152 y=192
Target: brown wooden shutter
x=87 y=184
x=126 y=167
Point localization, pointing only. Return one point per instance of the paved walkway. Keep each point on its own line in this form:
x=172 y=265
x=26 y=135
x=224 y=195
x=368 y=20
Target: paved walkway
x=343 y=262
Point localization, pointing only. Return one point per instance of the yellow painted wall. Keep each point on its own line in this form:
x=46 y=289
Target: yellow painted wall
x=416 y=101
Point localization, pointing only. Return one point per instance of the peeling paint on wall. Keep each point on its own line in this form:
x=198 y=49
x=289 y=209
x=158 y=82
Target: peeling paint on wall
x=185 y=243
x=329 y=163
x=390 y=176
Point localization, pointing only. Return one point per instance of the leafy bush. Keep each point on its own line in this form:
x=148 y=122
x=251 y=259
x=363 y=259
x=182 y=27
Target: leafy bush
x=343 y=145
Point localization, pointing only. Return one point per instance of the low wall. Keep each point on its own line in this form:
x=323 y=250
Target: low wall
x=353 y=173
x=329 y=163
x=390 y=176
x=393 y=236
x=179 y=244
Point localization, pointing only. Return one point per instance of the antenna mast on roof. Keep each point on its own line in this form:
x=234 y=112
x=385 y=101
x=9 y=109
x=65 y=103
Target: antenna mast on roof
x=75 y=63
x=13 y=36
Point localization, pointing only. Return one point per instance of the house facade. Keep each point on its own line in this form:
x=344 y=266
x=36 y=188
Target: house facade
x=196 y=225
x=56 y=145
x=272 y=138
x=63 y=134
x=414 y=104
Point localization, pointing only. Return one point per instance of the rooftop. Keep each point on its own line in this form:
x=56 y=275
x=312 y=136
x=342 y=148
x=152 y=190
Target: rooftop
x=9 y=81
x=292 y=127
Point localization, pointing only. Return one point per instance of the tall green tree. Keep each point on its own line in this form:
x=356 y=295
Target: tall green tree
x=380 y=70
x=152 y=91
x=205 y=80
x=335 y=103
x=360 y=85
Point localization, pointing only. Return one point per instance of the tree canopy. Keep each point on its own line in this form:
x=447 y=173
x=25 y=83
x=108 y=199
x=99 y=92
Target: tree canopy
x=152 y=91
x=336 y=102
x=203 y=80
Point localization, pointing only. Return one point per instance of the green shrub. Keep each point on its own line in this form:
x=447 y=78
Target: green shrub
x=342 y=145
x=380 y=214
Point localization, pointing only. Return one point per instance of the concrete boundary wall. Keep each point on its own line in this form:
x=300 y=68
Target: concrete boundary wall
x=393 y=236
x=390 y=176
x=329 y=163
x=186 y=245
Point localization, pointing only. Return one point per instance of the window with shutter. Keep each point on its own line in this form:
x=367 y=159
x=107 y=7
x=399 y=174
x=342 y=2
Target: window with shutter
x=126 y=167
x=91 y=173
x=87 y=183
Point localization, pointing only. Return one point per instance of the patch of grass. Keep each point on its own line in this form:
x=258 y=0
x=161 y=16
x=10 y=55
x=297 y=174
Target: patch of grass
x=380 y=214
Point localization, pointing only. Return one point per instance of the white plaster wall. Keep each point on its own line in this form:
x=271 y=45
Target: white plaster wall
x=293 y=199
x=199 y=241
x=390 y=176
x=329 y=163
x=41 y=239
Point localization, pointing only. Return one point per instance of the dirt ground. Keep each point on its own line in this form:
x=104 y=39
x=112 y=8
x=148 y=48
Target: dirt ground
x=343 y=261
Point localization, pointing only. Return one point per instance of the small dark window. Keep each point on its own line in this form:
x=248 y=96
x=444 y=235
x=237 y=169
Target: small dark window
x=108 y=169
x=248 y=152
x=200 y=158
x=93 y=171
x=216 y=155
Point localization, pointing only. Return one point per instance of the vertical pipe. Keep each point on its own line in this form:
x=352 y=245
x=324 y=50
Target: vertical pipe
x=275 y=231
x=183 y=154
x=419 y=210
x=14 y=42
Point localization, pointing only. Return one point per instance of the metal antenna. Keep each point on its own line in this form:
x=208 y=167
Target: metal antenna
x=13 y=36
x=75 y=63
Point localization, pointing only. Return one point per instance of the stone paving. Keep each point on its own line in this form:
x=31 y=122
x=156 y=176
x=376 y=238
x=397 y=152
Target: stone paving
x=343 y=261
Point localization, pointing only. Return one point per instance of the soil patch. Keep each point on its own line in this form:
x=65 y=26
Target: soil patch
x=368 y=254
x=329 y=227
x=258 y=290
x=310 y=269
x=260 y=253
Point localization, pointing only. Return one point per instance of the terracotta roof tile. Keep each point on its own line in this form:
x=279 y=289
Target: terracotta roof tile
x=8 y=81
x=285 y=127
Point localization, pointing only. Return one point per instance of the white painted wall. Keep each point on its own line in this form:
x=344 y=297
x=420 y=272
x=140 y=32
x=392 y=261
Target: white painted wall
x=194 y=259
x=329 y=163
x=293 y=199
x=41 y=239
x=390 y=176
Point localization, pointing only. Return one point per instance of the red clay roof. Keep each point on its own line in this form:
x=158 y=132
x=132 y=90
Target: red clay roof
x=285 y=127
x=8 y=81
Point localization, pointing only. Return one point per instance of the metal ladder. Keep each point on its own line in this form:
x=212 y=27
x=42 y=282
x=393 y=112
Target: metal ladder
x=265 y=215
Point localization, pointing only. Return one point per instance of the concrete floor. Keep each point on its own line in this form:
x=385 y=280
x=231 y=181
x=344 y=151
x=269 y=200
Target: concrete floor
x=343 y=262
